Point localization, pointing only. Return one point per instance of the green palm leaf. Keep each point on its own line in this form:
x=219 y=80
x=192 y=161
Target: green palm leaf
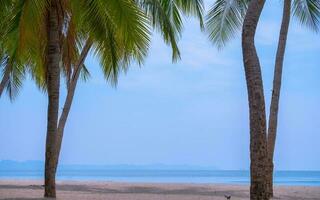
x=224 y=20
x=165 y=17
x=307 y=12
x=192 y=8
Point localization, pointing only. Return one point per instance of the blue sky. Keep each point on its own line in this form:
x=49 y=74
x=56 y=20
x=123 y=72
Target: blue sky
x=192 y=112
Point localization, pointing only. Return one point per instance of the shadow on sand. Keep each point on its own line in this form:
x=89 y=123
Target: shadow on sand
x=192 y=191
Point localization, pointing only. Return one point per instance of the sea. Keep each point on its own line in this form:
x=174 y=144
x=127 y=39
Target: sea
x=299 y=178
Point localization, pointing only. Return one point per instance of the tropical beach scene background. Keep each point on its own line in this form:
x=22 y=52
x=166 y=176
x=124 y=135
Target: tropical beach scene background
x=160 y=99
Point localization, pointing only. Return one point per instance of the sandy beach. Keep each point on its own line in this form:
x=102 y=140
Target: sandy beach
x=11 y=189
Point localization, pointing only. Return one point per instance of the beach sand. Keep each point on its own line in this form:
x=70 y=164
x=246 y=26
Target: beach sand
x=77 y=190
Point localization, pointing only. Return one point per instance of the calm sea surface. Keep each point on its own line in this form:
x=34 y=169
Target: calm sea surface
x=311 y=178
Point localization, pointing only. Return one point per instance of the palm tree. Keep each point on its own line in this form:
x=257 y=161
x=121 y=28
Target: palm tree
x=223 y=21
x=32 y=31
x=116 y=40
x=46 y=42
x=21 y=42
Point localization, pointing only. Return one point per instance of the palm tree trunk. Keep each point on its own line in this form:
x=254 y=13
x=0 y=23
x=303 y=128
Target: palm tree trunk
x=69 y=99
x=273 y=117
x=258 y=137
x=53 y=81
x=5 y=79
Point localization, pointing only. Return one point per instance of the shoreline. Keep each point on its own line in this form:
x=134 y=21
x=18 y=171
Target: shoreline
x=97 y=181
x=69 y=190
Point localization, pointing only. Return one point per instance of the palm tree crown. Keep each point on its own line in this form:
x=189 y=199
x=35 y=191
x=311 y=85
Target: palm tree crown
x=225 y=18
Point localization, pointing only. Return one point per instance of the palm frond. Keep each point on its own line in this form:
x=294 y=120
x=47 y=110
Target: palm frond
x=119 y=32
x=192 y=8
x=165 y=18
x=84 y=73
x=224 y=19
x=132 y=25
x=307 y=12
x=17 y=74
x=69 y=50
x=23 y=40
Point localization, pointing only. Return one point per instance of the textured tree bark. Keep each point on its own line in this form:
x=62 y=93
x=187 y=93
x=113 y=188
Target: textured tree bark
x=273 y=116
x=53 y=81
x=5 y=79
x=69 y=99
x=258 y=136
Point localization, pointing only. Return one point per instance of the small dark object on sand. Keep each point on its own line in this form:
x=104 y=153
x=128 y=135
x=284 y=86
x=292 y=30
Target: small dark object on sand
x=227 y=196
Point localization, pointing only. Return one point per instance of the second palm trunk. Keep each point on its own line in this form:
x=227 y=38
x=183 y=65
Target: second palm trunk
x=273 y=118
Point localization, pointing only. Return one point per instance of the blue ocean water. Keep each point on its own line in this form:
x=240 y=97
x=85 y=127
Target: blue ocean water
x=307 y=178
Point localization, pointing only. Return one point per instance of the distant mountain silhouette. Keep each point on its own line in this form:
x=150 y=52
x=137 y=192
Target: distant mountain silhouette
x=38 y=165
x=21 y=165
